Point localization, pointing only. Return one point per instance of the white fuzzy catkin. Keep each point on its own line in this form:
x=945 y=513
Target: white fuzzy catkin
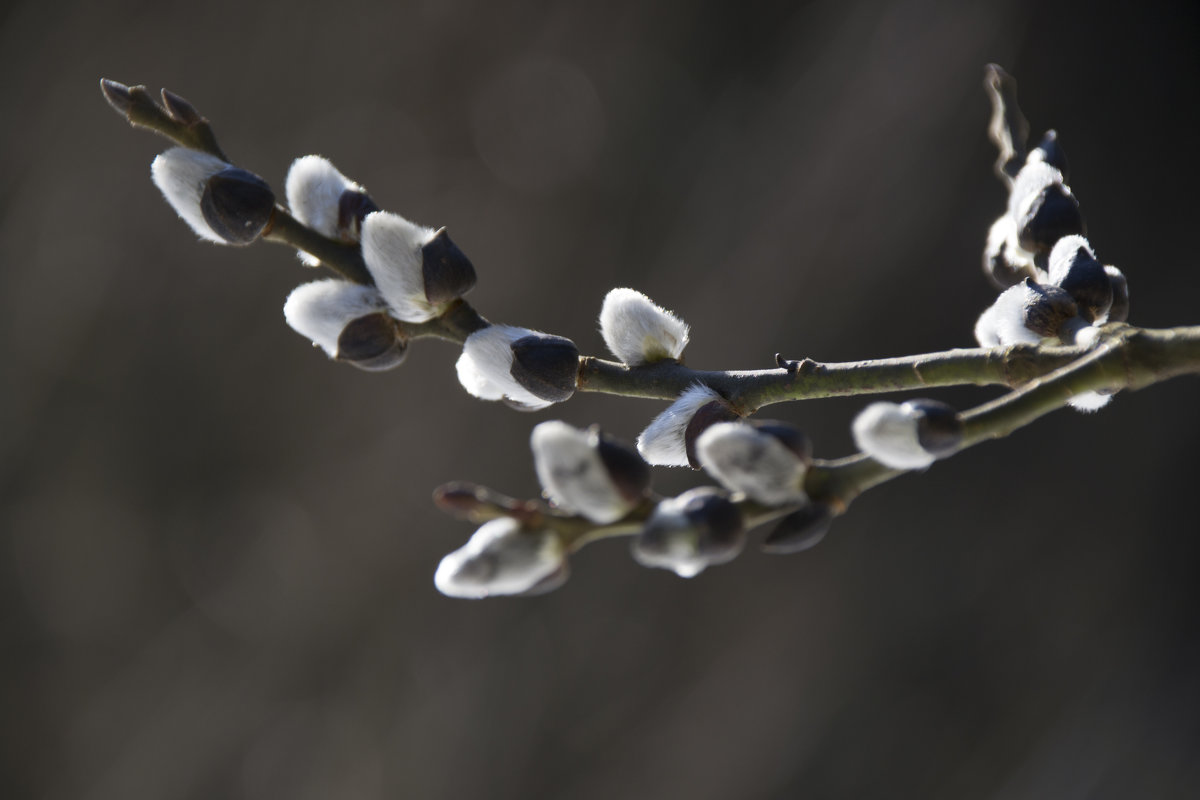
x=314 y=189
x=1003 y=323
x=181 y=174
x=391 y=248
x=679 y=549
x=1033 y=178
x=322 y=309
x=500 y=558
x=1062 y=256
x=573 y=475
x=637 y=331
x=662 y=442
x=485 y=366
x=745 y=459
x=1088 y=402
x=887 y=432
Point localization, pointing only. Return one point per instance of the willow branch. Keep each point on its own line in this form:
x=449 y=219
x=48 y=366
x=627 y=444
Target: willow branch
x=1008 y=129
x=1127 y=358
x=750 y=390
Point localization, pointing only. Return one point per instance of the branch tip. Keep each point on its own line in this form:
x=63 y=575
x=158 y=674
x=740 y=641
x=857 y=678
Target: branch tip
x=118 y=96
x=179 y=109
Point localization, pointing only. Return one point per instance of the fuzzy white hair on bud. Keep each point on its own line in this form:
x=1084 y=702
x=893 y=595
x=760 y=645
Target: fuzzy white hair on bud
x=1003 y=322
x=573 y=474
x=1063 y=255
x=1033 y=178
x=500 y=559
x=1089 y=402
x=181 y=175
x=314 y=189
x=637 y=331
x=320 y=310
x=485 y=368
x=887 y=432
x=745 y=459
x=687 y=533
x=677 y=548
x=392 y=249
x=662 y=442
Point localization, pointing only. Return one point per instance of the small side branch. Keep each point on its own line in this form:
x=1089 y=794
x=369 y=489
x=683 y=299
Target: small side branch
x=1008 y=128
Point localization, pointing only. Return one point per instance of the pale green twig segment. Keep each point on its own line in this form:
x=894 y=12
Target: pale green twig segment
x=749 y=390
x=1125 y=359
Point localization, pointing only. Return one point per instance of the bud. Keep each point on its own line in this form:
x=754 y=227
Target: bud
x=179 y=109
x=348 y=321
x=908 y=436
x=765 y=461
x=419 y=270
x=669 y=439
x=1050 y=215
x=588 y=472
x=1042 y=208
x=1045 y=308
x=1089 y=402
x=689 y=532
x=1074 y=267
x=639 y=332
x=502 y=558
x=237 y=205
x=118 y=95
x=530 y=370
x=1025 y=314
x=327 y=201
x=799 y=530
x=546 y=365
x=1119 y=310
x=221 y=203
x=1003 y=262
x=939 y=428
x=1051 y=152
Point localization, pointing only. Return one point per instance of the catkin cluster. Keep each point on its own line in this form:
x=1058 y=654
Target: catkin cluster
x=400 y=281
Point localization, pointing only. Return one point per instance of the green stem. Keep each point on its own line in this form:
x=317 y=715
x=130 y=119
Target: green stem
x=1126 y=359
x=343 y=258
x=807 y=379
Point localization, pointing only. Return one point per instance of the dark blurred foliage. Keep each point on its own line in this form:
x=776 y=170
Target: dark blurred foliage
x=218 y=546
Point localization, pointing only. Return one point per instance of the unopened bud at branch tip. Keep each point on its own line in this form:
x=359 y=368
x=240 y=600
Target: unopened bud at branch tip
x=117 y=95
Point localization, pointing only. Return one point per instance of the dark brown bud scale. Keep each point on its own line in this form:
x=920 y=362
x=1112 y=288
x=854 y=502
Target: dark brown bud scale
x=708 y=414
x=447 y=272
x=939 y=427
x=353 y=207
x=372 y=343
x=1087 y=281
x=719 y=529
x=789 y=436
x=1046 y=308
x=1053 y=214
x=1050 y=151
x=546 y=365
x=237 y=205
x=630 y=473
x=799 y=530
x=1119 y=310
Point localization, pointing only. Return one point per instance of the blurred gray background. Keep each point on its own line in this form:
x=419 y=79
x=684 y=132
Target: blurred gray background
x=218 y=547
